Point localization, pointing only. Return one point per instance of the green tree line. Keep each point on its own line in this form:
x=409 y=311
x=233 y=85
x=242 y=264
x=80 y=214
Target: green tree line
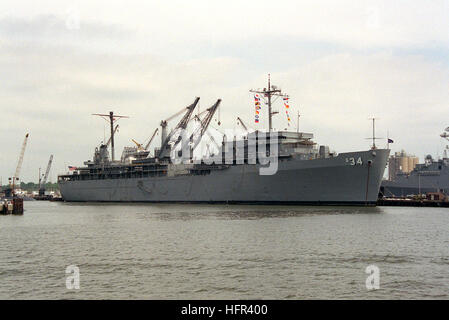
x=31 y=186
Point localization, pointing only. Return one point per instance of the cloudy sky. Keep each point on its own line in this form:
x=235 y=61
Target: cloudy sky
x=341 y=62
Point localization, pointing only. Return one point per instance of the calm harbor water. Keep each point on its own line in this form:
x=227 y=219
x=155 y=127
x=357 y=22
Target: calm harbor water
x=149 y=251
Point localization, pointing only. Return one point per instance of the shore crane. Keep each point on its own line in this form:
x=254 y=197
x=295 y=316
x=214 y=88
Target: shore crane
x=44 y=179
x=12 y=181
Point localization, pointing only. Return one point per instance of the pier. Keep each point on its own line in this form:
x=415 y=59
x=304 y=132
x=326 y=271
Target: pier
x=11 y=206
x=411 y=203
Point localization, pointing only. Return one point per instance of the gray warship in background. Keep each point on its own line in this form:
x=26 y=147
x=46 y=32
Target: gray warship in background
x=432 y=176
x=305 y=173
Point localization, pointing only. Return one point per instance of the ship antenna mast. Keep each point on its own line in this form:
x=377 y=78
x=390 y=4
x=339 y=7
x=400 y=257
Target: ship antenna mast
x=268 y=93
x=374 y=133
x=111 y=118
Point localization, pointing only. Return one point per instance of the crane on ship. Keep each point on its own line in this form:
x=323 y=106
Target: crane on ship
x=167 y=142
x=110 y=138
x=44 y=179
x=12 y=181
x=214 y=142
x=245 y=127
x=242 y=123
x=196 y=136
x=151 y=139
x=140 y=146
x=101 y=154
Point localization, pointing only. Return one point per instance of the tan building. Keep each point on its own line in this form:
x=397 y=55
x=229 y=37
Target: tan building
x=401 y=162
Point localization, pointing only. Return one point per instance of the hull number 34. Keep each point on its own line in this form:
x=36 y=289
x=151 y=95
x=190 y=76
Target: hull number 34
x=353 y=161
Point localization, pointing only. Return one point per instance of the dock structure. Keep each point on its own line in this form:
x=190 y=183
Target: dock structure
x=397 y=202
x=11 y=206
x=11 y=203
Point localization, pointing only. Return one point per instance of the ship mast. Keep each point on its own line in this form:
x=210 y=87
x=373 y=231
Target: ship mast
x=111 y=118
x=374 y=133
x=268 y=93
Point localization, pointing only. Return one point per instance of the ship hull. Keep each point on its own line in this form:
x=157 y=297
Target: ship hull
x=340 y=180
x=416 y=184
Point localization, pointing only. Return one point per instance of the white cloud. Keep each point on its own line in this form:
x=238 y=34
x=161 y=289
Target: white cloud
x=53 y=93
x=357 y=24
x=340 y=92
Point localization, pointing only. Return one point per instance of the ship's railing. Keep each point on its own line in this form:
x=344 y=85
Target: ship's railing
x=429 y=173
x=103 y=175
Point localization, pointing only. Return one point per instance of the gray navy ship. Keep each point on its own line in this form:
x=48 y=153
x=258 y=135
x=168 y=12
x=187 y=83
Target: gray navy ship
x=430 y=176
x=273 y=167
